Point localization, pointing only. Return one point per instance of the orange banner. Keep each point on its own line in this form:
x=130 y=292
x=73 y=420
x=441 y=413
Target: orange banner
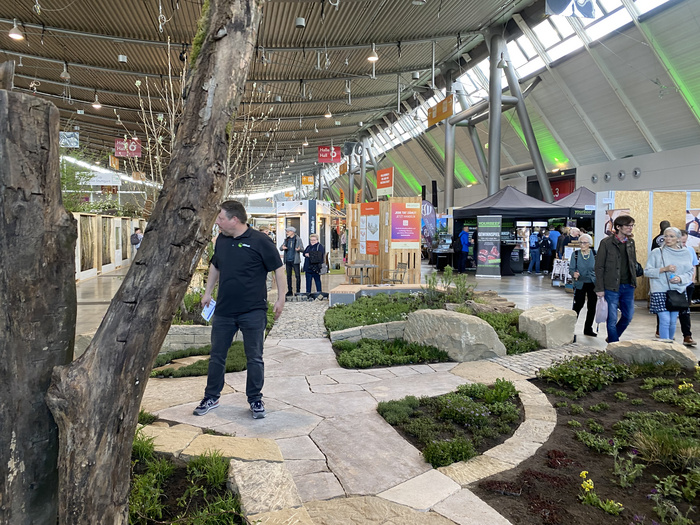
x=114 y=162
x=342 y=199
x=441 y=111
x=307 y=180
x=385 y=182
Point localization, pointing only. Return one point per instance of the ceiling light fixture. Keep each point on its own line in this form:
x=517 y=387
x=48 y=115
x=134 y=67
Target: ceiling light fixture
x=501 y=63
x=15 y=33
x=328 y=113
x=300 y=22
x=305 y=143
x=96 y=104
x=277 y=98
x=419 y=2
x=65 y=75
x=315 y=128
x=373 y=56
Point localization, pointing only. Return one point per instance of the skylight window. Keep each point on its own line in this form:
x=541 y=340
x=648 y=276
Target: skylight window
x=546 y=34
x=562 y=24
x=567 y=46
x=610 y=5
x=526 y=46
x=532 y=66
x=608 y=24
x=516 y=56
x=645 y=6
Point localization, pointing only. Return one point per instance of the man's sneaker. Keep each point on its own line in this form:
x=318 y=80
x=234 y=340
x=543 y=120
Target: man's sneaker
x=205 y=406
x=258 y=409
x=688 y=341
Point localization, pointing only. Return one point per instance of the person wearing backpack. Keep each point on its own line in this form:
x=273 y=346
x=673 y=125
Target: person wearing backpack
x=535 y=243
x=582 y=269
x=136 y=239
x=546 y=249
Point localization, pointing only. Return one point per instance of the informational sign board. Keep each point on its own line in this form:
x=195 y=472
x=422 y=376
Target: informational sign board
x=441 y=110
x=385 y=182
x=127 y=148
x=312 y=217
x=343 y=168
x=69 y=139
x=289 y=194
x=488 y=256
x=358 y=197
x=307 y=180
x=428 y=223
x=105 y=179
x=405 y=225
x=369 y=228
x=113 y=162
x=329 y=154
x=342 y=199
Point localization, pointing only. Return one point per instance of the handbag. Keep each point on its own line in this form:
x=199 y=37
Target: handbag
x=639 y=270
x=675 y=301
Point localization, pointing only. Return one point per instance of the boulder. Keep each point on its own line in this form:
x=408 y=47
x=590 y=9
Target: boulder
x=352 y=335
x=549 y=325
x=645 y=351
x=463 y=337
x=497 y=306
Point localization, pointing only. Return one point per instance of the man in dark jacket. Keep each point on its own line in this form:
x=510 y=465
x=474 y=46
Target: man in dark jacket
x=659 y=239
x=616 y=275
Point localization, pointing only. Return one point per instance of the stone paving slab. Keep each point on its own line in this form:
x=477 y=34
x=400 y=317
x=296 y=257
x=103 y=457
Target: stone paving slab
x=165 y=393
x=383 y=461
x=543 y=413
x=301 y=447
x=422 y=492
x=418 y=385
x=528 y=364
x=302 y=467
x=171 y=440
x=285 y=388
x=318 y=379
x=513 y=451
x=297 y=516
x=465 y=508
x=263 y=486
x=485 y=372
x=369 y=510
x=535 y=430
x=319 y=486
x=335 y=405
x=357 y=378
x=291 y=422
x=251 y=449
x=336 y=388
x=310 y=346
x=299 y=365
x=467 y=472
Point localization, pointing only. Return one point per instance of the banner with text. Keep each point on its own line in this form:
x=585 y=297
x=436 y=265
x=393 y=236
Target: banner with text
x=385 y=182
x=369 y=228
x=488 y=256
x=127 y=148
x=405 y=225
x=342 y=199
x=307 y=180
x=441 y=110
x=329 y=154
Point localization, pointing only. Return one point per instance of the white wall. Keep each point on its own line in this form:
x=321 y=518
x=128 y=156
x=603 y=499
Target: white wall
x=677 y=169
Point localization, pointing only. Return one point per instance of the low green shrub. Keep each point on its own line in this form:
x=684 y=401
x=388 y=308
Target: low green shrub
x=399 y=411
x=368 y=353
x=381 y=308
x=443 y=453
x=142 y=448
x=506 y=327
x=587 y=373
x=235 y=362
x=146 y=418
x=145 y=499
x=211 y=468
x=598 y=443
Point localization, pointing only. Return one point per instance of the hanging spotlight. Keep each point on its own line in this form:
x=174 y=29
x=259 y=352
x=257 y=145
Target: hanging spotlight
x=415 y=75
x=300 y=22
x=315 y=129
x=65 y=75
x=373 y=56
x=328 y=113
x=15 y=33
x=347 y=86
x=96 y=104
x=501 y=63
x=277 y=98
x=419 y=2
x=305 y=143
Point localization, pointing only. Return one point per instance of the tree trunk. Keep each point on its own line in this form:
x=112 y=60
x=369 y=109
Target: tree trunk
x=96 y=399
x=37 y=301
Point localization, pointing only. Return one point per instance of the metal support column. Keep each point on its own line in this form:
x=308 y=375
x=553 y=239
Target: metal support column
x=351 y=180
x=320 y=184
x=363 y=169
x=449 y=184
x=528 y=132
x=497 y=47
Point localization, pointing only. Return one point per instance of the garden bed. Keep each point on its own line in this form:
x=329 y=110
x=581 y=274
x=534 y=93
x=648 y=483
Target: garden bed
x=547 y=488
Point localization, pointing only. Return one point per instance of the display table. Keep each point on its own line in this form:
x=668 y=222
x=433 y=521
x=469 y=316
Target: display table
x=364 y=271
x=443 y=258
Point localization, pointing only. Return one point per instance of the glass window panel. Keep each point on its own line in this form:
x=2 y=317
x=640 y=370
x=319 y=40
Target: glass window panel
x=610 y=5
x=608 y=24
x=467 y=83
x=562 y=24
x=532 y=66
x=647 y=5
x=484 y=68
x=516 y=56
x=567 y=46
x=527 y=47
x=546 y=34
x=399 y=125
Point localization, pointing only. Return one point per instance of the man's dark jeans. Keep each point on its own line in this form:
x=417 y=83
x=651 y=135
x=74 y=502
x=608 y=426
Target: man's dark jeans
x=624 y=301
x=252 y=326
x=291 y=267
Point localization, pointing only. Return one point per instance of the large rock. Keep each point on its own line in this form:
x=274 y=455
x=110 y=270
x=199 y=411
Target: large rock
x=463 y=337
x=645 y=351
x=549 y=325
x=499 y=307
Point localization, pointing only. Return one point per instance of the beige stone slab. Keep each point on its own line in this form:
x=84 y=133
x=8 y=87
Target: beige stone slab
x=480 y=467
x=302 y=467
x=301 y=447
x=414 y=385
x=381 y=373
x=358 y=378
x=182 y=426
x=513 y=451
x=291 y=422
x=247 y=449
x=403 y=371
x=544 y=413
x=166 y=393
x=318 y=486
x=535 y=430
x=297 y=516
x=464 y=508
x=263 y=486
x=443 y=367
x=423 y=369
x=535 y=400
x=422 y=492
x=319 y=379
x=484 y=372
x=526 y=387
x=336 y=388
x=335 y=404
x=171 y=440
x=369 y=510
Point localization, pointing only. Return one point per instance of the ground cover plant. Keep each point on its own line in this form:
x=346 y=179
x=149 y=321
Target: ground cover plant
x=235 y=361
x=459 y=425
x=506 y=327
x=192 y=494
x=626 y=451
x=381 y=308
x=368 y=353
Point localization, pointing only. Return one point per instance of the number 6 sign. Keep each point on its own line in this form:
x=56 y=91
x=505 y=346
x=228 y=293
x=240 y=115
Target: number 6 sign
x=127 y=148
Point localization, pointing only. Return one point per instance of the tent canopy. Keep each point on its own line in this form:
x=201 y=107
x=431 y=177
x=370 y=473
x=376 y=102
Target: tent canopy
x=513 y=204
x=575 y=203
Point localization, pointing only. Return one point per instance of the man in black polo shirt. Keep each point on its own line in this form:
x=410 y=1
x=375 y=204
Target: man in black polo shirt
x=242 y=258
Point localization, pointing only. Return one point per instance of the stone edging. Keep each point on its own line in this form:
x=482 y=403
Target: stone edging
x=382 y=331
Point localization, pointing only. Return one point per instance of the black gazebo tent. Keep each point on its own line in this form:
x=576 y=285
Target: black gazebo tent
x=575 y=204
x=513 y=204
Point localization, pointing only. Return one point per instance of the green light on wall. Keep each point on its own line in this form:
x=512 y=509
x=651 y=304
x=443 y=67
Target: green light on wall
x=462 y=172
x=552 y=155
x=410 y=180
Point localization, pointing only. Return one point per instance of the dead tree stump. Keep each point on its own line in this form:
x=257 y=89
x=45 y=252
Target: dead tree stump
x=37 y=305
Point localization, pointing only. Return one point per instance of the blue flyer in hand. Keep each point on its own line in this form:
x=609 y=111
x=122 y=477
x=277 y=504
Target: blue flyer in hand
x=208 y=311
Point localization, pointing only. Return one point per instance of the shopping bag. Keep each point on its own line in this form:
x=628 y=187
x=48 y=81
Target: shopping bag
x=601 y=310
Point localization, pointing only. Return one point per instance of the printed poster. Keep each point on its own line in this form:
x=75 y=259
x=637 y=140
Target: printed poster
x=489 y=245
x=611 y=215
x=405 y=225
x=692 y=225
x=369 y=228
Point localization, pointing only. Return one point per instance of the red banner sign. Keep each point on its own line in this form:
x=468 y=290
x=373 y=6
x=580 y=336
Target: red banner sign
x=385 y=182
x=127 y=148
x=329 y=154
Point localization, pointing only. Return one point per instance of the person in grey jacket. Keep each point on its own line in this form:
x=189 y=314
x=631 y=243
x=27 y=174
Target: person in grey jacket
x=669 y=267
x=582 y=269
x=292 y=248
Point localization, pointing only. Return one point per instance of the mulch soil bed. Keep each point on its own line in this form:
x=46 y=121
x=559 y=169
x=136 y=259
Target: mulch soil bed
x=545 y=488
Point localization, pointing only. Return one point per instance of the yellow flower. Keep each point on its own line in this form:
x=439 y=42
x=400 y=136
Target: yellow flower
x=587 y=485
x=583 y=474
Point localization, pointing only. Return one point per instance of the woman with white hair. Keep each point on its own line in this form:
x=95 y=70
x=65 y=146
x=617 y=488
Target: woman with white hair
x=582 y=269
x=669 y=268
